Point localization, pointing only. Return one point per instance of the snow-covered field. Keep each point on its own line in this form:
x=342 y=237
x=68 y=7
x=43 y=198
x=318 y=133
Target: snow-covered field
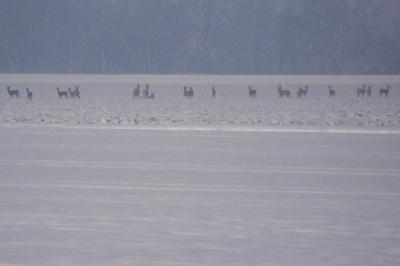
x=107 y=100
x=97 y=196
x=108 y=180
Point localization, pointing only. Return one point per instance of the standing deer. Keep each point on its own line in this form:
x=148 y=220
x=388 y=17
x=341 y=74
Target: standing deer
x=12 y=93
x=332 y=92
x=361 y=91
x=77 y=92
x=369 y=91
x=74 y=93
x=384 y=92
x=136 y=91
x=146 y=92
x=302 y=92
x=283 y=92
x=29 y=94
x=62 y=94
x=185 y=92
x=188 y=92
x=252 y=92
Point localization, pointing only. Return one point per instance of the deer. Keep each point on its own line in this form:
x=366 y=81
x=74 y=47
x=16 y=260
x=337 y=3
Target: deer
x=185 y=92
x=77 y=92
x=302 y=92
x=146 y=93
x=252 y=92
x=62 y=94
x=29 y=94
x=332 y=92
x=12 y=93
x=71 y=93
x=74 y=93
x=136 y=91
x=188 y=92
x=361 y=91
x=369 y=91
x=384 y=92
x=283 y=92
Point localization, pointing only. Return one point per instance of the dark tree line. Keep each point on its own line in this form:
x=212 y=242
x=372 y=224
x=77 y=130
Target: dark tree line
x=198 y=36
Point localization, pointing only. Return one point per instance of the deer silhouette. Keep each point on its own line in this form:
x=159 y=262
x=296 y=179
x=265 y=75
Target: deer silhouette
x=283 y=92
x=77 y=92
x=29 y=94
x=62 y=94
x=369 y=91
x=146 y=92
x=252 y=92
x=213 y=92
x=302 y=92
x=74 y=94
x=332 y=92
x=188 y=92
x=361 y=91
x=12 y=93
x=384 y=92
x=136 y=91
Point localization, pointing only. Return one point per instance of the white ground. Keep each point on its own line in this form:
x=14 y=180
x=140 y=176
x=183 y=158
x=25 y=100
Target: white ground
x=107 y=100
x=75 y=196
x=258 y=182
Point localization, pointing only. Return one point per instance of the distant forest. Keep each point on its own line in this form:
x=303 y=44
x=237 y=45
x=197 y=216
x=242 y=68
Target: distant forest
x=199 y=37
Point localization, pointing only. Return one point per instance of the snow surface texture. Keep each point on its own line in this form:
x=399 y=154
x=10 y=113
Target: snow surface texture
x=109 y=102
x=76 y=196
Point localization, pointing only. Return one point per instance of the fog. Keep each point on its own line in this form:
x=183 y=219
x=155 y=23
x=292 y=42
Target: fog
x=200 y=37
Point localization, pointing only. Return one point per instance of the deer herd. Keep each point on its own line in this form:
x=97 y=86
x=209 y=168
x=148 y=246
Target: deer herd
x=188 y=92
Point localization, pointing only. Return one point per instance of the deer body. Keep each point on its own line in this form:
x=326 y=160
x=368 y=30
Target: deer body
x=361 y=91
x=136 y=91
x=74 y=93
x=332 y=92
x=384 y=92
x=188 y=92
x=252 y=92
x=29 y=94
x=283 y=92
x=12 y=93
x=302 y=92
x=62 y=94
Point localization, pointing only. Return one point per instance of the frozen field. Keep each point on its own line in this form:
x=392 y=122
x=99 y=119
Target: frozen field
x=76 y=196
x=107 y=101
x=108 y=180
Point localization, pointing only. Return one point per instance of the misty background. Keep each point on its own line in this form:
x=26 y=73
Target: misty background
x=200 y=36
